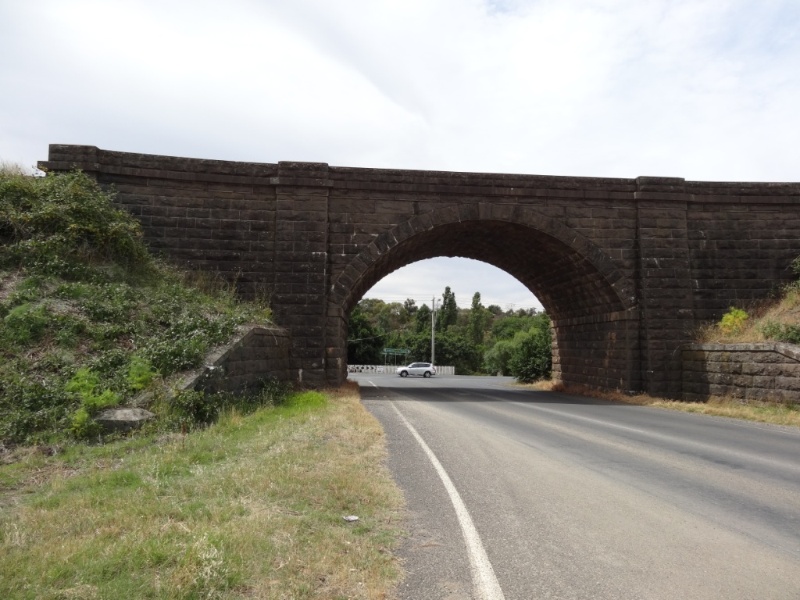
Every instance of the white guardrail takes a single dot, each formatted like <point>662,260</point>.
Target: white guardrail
<point>391,369</point>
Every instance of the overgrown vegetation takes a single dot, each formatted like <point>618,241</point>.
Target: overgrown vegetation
<point>251,507</point>
<point>89,319</point>
<point>778,320</point>
<point>478,340</point>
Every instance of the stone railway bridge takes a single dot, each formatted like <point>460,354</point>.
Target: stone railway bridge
<point>626,268</point>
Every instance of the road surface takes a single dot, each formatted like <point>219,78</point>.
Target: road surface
<point>521,494</point>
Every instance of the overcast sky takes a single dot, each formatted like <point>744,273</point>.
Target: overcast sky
<point>700,89</point>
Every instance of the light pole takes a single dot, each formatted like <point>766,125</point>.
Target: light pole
<point>433,333</point>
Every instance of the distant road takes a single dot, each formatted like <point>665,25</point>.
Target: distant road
<point>577,498</point>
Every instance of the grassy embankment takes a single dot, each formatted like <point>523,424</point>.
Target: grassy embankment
<point>251,507</point>
<point>222,496</point>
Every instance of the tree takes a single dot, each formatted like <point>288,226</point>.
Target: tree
<point>458,351</point>
<point>448,315</point>
<point>496,360</point>
<point>478,317</point>
<point>423,319</point>
<point>494,309</point>
<point>410,307</point>
<point>364,340</point>
<point>532,357</point>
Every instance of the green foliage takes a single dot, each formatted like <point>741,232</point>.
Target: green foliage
<point>523,347</point>
<point>733,321</point>
<point>497,359</point>
<point>532,358</point>
<point>84,384</point>
<point>781,332</point>
<point>474,340</point>
<point>82,425</point>
<point>192,408</point>
<point>448,314</point>
<point>795,266</point>
<point>364,340</point>
<point>478,318</point>
<point>140,373</point>
<point>422,319</point>
<point>89,319</point>
<point>453,348</point>
<point>62,224</point>
<point>24,323</point>
<point>32,405</point>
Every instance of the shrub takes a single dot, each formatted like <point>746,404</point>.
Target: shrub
<point>533,358</point>
<point>59,223</point>
<point>32,405</point>
<point>140,373</point>
<point>84,385</point>
<point>498,357</point>
<point>780,332</point>
<point>24,323</point>
<point>733,321</point>
<point>195,407</point>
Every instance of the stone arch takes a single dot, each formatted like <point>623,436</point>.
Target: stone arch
<point>591,303</point>
<point>478,228</point>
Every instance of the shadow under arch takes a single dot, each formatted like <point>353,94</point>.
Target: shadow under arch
<point>592,305</point>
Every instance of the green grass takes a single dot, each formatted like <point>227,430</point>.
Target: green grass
<point>249,507</point>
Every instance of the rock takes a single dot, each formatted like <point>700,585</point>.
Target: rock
<point>123,419</point>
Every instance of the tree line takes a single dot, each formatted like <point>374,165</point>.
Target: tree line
<point>475,340</point>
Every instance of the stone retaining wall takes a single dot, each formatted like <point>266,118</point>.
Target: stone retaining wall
<point>766,371</point>
<point>257,354</point>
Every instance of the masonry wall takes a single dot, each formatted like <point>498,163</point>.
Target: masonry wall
<point>256,355</point>
<point>742,238</point>
<point>763,371</point>
<point>626,268</point>
<point>211,215</point>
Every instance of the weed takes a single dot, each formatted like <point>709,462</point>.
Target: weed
<point>140,373</point>
<point>733,321</point>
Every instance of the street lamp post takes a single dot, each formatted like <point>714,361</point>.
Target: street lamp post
<point>433,333</point>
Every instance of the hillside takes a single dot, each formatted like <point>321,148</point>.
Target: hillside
<point>89,319</point>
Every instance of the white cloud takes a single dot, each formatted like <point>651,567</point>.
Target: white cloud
<point>701,89</point>
<point>426,279</point>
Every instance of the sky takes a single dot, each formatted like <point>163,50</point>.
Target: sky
<point>706,90</point>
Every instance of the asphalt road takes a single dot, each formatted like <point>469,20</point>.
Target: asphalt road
<point>523,495</point>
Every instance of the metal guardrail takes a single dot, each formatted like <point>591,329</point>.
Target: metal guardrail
<point>390,369</point>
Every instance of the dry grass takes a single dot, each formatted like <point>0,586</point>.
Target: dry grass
<point>251,507</point>
<point>786,311</point>
<point>763,412</point>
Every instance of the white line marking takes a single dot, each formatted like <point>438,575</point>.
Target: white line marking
<point>661,436</point>
<point>371,383</point>
<point>483,578</point>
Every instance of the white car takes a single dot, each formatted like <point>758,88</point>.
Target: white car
<point>423,369</point>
